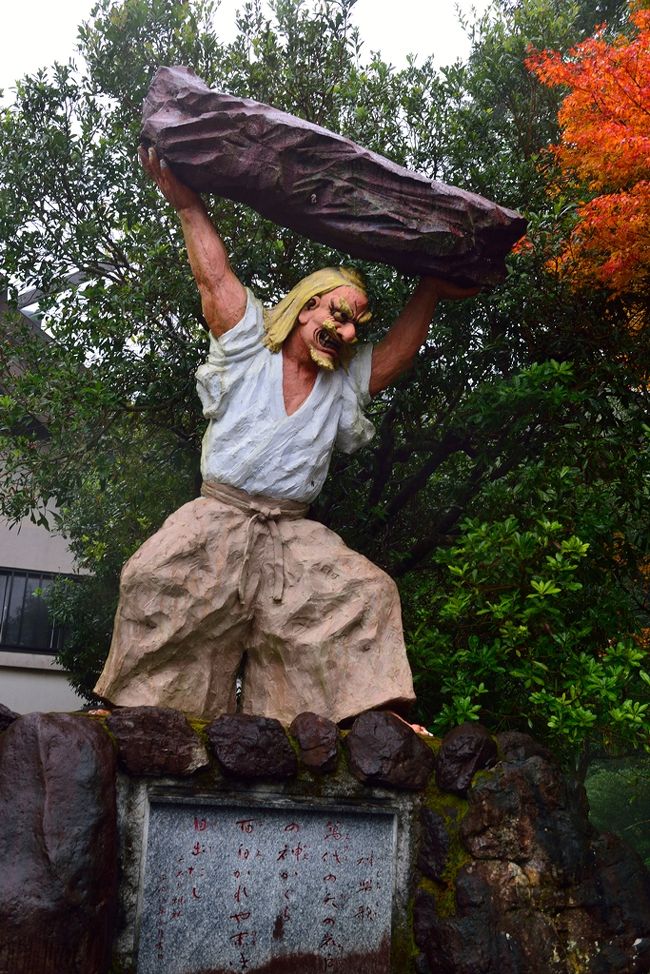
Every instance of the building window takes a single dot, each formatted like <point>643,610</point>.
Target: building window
<point>25,623</point>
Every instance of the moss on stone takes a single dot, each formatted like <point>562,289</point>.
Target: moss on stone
<point>295,746</point>
<point>578,959</point>
<point>103,722</point>
<point>446,897</point>
<point>403,949</point>
<point>429,886</point>
<point>199,727</point>
<point>433,743</point>
<point>206,779</point>
<point>452,809</point>
<point>117,967</point>
<point>484,775</point>
<point>312,782</point>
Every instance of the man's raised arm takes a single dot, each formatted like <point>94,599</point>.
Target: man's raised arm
<point>395,353</point>
<point>223,296</point>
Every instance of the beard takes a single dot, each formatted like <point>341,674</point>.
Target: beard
<point>322,360</point>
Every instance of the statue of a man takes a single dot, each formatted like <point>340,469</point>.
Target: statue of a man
<point>238,583</point>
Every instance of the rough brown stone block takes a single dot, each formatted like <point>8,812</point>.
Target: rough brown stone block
<point>156,741</point>
<point>464,751</point>
<point>58,846</point>
<point>317,738</point>
<point>385,751</point>
<point>323,185</point>
<point>515,746</point>
<point>247,746</point>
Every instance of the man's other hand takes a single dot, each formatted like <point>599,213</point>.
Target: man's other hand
<point>448,290</point>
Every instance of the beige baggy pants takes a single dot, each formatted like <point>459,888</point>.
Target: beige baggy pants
<point>328,640</point>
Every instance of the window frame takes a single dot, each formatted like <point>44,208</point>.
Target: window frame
<point>56,634</point>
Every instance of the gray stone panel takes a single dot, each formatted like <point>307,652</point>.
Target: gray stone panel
<point>252,888</point>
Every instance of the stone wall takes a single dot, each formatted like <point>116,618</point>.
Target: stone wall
<point>496,868</point>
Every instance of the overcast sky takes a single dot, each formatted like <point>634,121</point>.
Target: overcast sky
<point>34,33</point>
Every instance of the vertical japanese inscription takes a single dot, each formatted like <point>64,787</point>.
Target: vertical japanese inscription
<point>228,888</point>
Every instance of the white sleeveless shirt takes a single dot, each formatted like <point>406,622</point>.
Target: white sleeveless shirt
<point>250,441</point>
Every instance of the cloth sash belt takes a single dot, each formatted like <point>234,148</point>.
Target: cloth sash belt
<point>263,511</point>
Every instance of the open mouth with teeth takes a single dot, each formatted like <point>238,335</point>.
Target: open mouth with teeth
<point>327,341</point>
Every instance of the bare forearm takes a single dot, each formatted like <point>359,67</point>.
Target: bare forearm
<point>223,297</point>
<point>395,353</point>
<point>205,248</point>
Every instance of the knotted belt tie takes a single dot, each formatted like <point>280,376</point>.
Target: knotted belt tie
<point>265,511</point>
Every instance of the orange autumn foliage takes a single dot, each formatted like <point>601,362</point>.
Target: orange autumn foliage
<point>605,148</point>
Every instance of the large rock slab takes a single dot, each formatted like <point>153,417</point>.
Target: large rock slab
<point>323,185</point>
<point>507,922</point>
<point>528,813</point>
<point>541,894</point>
<point>156,741</point>
<point>253,747</point>
<point>383,750</point>
<point>57,846</point>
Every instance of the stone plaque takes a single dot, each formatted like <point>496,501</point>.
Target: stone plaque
<point>266,889</point>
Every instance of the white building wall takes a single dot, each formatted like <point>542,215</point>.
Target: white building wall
<point>30,682</point>
<point>31,547</point>
<point>34,681</point>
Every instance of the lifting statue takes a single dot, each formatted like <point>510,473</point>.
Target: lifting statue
<point>239,582</point>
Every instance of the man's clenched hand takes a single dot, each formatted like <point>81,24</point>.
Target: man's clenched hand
<point>180,196</point>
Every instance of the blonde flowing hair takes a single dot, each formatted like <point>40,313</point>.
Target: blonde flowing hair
<point>279,321</point>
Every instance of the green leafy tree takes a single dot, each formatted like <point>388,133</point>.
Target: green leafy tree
<point>514,643</point>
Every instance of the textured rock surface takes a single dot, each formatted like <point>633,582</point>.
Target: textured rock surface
<point>541,894</point>
<point>434,844</point>
<point>156,741</point>
<point>384,750</point>
<point>464,751</point>
<point>511,880</point>
<point>515,746</point>
<point>324,186</point>
<point>57,846</point>
<point>252,747</point>
<point>7,717</point>
<point>317,739</point>
<point>526,812</point>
